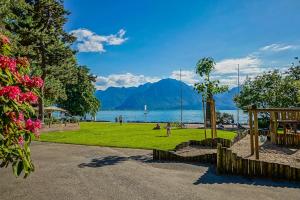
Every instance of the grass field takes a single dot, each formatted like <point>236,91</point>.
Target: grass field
<point>128,135</point>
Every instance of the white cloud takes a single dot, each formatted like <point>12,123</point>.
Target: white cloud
<point>123,80</point>
<point>88,41</point>
<point>187,76</point>
<point>247,65</point>
<point>226,70</point>
<point>278,47</point>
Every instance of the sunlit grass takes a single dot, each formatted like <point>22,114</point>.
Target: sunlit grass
<point>128,135</point>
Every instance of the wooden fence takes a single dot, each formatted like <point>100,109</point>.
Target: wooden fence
<point>288,139</point>
<point>205,158</point>
<point>230,163</point>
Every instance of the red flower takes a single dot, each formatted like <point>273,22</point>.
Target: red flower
<point>33,82</point>
<point>12,92</point>
<point>6,62</point>
<point>37,82</point>
<point>26,81</point>
<point>33,126</point>
<point>29,97</point>
<point>21,140</point>
<point>4,39</point>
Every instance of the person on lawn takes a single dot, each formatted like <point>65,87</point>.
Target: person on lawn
<point>168,129</point>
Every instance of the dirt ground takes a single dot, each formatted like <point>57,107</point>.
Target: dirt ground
<point>268,152</point>
<point>195,151</point>
<point>77,172</point>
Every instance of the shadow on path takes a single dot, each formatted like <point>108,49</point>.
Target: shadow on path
<point>113,160</point>
<point>210,177</point>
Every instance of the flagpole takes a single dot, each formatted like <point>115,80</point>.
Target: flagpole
<point>180,100</point>
<point>238,111</point>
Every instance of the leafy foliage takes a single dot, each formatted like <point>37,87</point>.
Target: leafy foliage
<point>224,118</point>
<point>17,92</point>
<point>80,95</point>
<point>206,86</point>
<point>271,89</point>
<point>38,26</point>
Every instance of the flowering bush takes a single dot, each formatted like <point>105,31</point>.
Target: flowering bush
<point>18,91</point>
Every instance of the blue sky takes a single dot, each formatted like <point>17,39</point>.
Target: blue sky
<point>127,43</point>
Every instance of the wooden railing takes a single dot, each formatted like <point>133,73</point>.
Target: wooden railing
<point>286,117</point>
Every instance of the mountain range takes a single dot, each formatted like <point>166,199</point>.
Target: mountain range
<point>161,95</point>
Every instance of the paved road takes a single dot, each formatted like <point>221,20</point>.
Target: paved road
<point>78,172</point>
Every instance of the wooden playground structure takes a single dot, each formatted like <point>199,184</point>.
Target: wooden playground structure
<point>287,118</point>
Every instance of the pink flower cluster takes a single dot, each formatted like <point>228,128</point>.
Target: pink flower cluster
<point>33,82</point>
<point>6,62</point>
<point>33,126</point>
<point>29,97</point>
<point>12,92</point>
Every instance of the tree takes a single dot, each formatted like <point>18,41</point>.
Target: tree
<point>18,91</point>
<point>206,86</point>
<point>271,89</point>
<point>224,118</point>
<point>80,95</point>
<point>39,27</point>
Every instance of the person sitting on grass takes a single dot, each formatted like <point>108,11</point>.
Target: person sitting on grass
<point>157,127</point>
<point>168,127</point>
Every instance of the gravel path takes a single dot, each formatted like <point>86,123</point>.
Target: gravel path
<point>78,172</point>
<point>268,152</point>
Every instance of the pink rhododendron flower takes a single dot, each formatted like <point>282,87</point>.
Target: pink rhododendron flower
<point>26,81</point>
<point>21,140</point>
<point>4,39</point>
<point>32,82</point>
<point>29,97</point>
<point>37,82</point>
<point>6,62</point>
<point>12,92</point>
<point>33,126</point>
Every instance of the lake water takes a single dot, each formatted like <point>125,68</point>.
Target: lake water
<point>189,116</point>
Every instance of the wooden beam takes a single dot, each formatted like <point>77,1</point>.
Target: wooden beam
<point>272,127</point>
<point>256,135</point>
<point>251,132</point>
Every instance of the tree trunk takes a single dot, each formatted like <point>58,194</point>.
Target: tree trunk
<point>208,112</point>
<point>41,105</point>
<point>204,116</point>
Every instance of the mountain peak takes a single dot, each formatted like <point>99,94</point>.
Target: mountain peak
<point>163,94</point>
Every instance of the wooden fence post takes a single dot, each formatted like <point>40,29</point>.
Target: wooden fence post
<point>251,132</point>
<point>256,135</point>
<point>219,159</point>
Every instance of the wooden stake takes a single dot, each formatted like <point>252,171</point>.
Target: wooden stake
<point>251,132</point>
<point>256,135</point>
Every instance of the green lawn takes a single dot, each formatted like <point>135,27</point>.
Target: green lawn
<point>128,135</point>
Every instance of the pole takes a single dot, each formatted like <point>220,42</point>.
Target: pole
<point>238,111</point>
<point>204,115</point>
<point>180,100</point>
